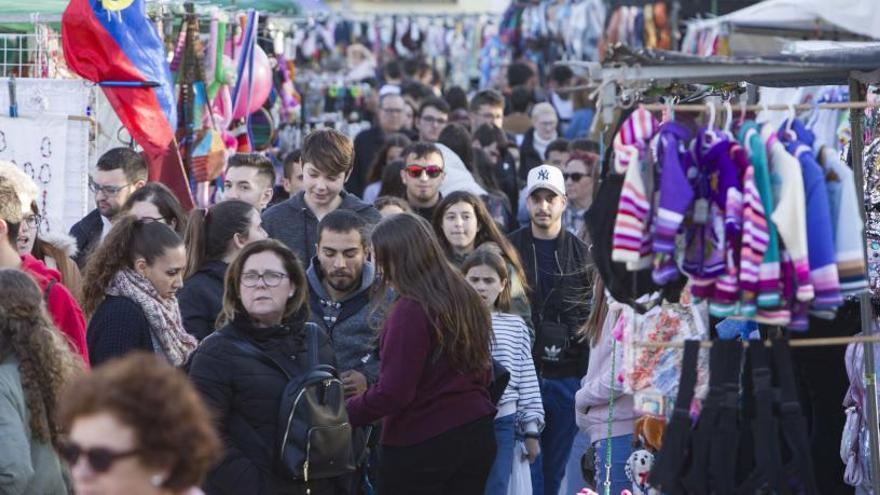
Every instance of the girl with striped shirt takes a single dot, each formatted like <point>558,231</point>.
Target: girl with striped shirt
<point>520,411</point>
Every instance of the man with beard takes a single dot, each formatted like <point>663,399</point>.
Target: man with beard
<point>120,172</point>
<point>340,278</point>
<point>555,263</point>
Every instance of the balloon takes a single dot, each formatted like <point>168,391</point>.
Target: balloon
<point>262,85</point>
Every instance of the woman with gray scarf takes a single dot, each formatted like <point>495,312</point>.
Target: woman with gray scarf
<point>129,293</point>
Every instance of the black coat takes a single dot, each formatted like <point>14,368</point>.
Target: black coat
<point>118,326</point>
<point>528,156</point>
<point>366,146</point>
<point>87,233</point>
<point>244,393</point>
<point>201,299</point>
<point>567,302</point>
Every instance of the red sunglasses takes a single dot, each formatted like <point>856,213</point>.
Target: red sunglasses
<point>416,171</point>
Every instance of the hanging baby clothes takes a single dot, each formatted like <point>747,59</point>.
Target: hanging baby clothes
<point>820,236</point>
<point>675,199</point>
<point>631,231</point>
<point>847,222</point>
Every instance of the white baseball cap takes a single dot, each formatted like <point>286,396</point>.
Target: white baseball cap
<point>545,177</point>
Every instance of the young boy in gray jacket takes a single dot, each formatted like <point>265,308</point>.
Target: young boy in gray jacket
<point>327,157</point>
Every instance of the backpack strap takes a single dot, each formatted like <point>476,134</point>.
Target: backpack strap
<point>312,344</point>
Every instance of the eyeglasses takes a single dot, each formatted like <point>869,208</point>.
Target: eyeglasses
<point>154,219</point>
<point>107,190</point>
<point>416,171</point>
<point>100,459</point>
<point>32,220</point>
<point>575,177</point>
<point>393,111</point>
<point>434,121</point>
<point>270,279</point>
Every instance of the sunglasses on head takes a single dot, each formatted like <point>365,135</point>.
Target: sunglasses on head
<point>416,171</point>
<point>100,459</point>
<point>575,177</point>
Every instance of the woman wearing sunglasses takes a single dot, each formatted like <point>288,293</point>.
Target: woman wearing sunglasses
<point>129,293</point>
<point>265,306</point>
<point>136,426</point>
<point>35,363</point>
<point>578,174</point>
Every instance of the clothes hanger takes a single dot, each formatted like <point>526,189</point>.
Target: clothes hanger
<point>728,118</point>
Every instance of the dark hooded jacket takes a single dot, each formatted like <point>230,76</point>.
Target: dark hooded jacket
<point>347,322</point>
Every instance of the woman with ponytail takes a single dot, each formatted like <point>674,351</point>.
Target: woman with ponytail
<point>213,238</point>
<point>131,282</point>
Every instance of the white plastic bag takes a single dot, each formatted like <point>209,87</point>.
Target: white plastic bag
<point>521,474</point>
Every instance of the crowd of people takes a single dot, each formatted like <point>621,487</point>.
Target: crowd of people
<point>437,266</point>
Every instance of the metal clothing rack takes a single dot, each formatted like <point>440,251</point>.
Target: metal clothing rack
<point>639,72</point>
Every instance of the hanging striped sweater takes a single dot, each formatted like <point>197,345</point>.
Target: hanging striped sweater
<point>512,348</point>
<point>676,196</point>
<point>631,242</point>
<point>789,214</point>
<point>768,276</point>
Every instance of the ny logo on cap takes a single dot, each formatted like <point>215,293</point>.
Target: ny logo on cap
<point>543,174</point>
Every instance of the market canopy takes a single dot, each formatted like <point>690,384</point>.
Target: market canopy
<point>768,27</point>
<point>860,17</point>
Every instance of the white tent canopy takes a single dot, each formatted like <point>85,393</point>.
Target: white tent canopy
<point>858,17</point>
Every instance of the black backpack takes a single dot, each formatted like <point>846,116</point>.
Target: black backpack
<point>315,437</point>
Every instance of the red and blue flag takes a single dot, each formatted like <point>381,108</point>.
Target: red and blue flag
<point>120,48</point>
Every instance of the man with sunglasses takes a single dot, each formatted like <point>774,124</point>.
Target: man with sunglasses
<point>120,172</point>
<point>422,177</point>
<point>577,173</point>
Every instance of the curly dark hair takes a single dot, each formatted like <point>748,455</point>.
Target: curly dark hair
<point>45,360</point>
<point>172,426</point>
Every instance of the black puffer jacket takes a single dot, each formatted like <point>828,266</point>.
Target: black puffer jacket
<point>245,394</point>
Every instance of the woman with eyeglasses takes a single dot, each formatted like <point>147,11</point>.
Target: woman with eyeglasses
<point>136,426</point>
<point>437,431</point>
<point>214,236</point>
<point>156,203</point>
<point>265,305</point>
<point>35,363</point>
<point>129,293</point>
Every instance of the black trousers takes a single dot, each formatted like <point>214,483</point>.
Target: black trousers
<point>822,380</point>
<point>455,462</point>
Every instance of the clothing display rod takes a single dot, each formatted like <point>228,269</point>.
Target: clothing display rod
<point>855,72</point>
<point>817,342</point>
<point>700,108</point>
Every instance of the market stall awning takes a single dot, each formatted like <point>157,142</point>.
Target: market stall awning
<point>820,67</point>
<point>860,17</point>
